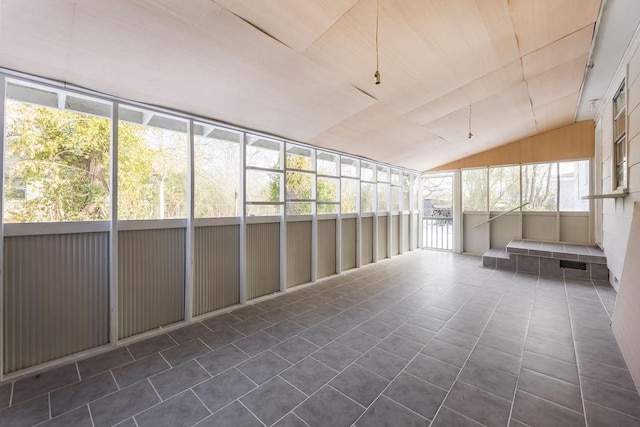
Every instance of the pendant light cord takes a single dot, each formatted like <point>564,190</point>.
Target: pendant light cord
<point>377,74</point>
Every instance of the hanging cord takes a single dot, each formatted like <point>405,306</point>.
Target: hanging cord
<point>470,134</point>
<point>377,74</point>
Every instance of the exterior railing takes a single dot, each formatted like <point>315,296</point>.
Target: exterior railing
<point>437,233</point>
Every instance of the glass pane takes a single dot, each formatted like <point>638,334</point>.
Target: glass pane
<point>57,165</point>
<point>299,186</point>
<point>152,167</point>
<point>299,157</point>
<point>349,167</point>
<point>299,208</point>
<point>574,183</point>
<point>540,187</point>
<point>263,153</point>
<point>416,192</point>
<point>383,174</point>
<point>263,186</point>
<point>504,188</point>
<point>327,163</point>
<point>349,194</point>
<point>474,190</point>
<point>216,172</point>
<point>619,102</point>
<point>367,196</point>
<point>396,198</point>
<point>263,210</point>
<point>395,177</point>
<point>438,196</point>
<point>405,192</point>
<point>328,189</point>
<point>383,197</point>
<point>367,172</point>
<point>327,209</point>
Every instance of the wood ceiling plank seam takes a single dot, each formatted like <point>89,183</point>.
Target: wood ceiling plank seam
<point>332,25</point>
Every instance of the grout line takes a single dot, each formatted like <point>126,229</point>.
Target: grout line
<point>78,371</point>
<point>198,397</point>
<point>114,379</point>
<point>154,389</point>
<point>13,386</point>
<point>91,415</point>
<point>49,402</point>
<point>285,380</point>
<point>464,416</point>
<point>251,412</point>
<point>611,409</point>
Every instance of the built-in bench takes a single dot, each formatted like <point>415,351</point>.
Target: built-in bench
<point>558,259</point>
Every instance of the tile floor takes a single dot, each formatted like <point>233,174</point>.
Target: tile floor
<point>428,338</point>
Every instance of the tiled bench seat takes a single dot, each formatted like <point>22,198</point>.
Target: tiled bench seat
<point>550,259</point>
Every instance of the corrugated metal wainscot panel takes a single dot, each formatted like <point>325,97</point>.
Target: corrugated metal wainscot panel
<point>216,275</point>
<point>263,259</point>
<point>416,230</point>
<point>348,248</point>
<point>395,234</point>
<point>326,247</point>
<point>298,253</point>
<point>56,296</point>
<point>382,237</point>
<point>405,233</point>
<point>151,268</point>
<point>366,240</point>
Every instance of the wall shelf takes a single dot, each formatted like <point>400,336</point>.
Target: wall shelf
<point>623,193</point>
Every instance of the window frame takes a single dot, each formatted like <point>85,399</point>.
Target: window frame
<point>618,165</point>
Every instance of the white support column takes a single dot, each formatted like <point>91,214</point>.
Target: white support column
<point>389,219</point>
<point>113,232</point>
<point>374,232</point>
<point>3,91</point>
<point>283,219</point>
<point>558,201</point>
<point>339,226</point>
<point>314,217</point>
<point>190,243</point>
<point>412,231</point>
<point>359,221</point>
<point>243,218</point>
<point>457,212</point>
<point>521,210</point>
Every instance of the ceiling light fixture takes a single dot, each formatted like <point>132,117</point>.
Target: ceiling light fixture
<point>470,134</point>
<point>377,73</point>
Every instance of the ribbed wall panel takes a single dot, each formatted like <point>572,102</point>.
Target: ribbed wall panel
<point>366,241</point>
<point>416,230</point>
<point>263,259</point>
<point>382,237</point>
<point>405,232</point>
<point>298,253</point>
<point>56,296</point>
<point>395,234</point>
<point>216,275</point>
<point>151,269</point>
<point>348,248</point>
<point>326,247</point>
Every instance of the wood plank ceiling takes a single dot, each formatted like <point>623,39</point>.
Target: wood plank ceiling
<point>303,69</point>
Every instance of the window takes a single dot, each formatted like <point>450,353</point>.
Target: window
<point>574,184</point>
<point>474,190</point>
<point>216,172</point>
<point>328,182</point>
<point>152,165</point>
<point>264,176</point>
<point>405,191</point>
<point>504,188</point>
<point>300,188</point>
<point>620,138</point>
<point>57,164</point>
<point>438,195</point>
<point>540,187</point>
<point>367,187</point>
<point>383,188</point>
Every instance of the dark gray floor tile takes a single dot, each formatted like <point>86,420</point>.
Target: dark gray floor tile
<point>537,412</point>
<point>393,319</point>
<point>611,375</point>
<point>178,379</point>
<point>320,335</point>
<point>123,404</point>
<point>358,341</point>
<point>467,326</point>
<point>256,343</point>
<point>358,314</point>
<point>297,307</point>
<point>336,356</point>
<point>223,389</point>
<point>294,349</point>
<point>415,333</point>
<point>553,367</point>
<point>400,346</point>
<point>427,322</point>
<point>182,410</point>
<point>489,379</point>
<point>329,408</point>
<point>151,345</point>
<point>502,343</point>
<point>382,363</point>
<point>436,372</point>
<point>78,394</point>
<point>26,414</point>
<point>621,400</point>
<point>448,418</point>
<point>250,325</point>
<point>185,352</point>
<point>415,394</point>
<point>446,352</point>
<point>386,413</point>
<point>458,338</point>
<point>284,330</point>
<point>272,400</point>
<point>263,367</point>
<point>195,330</point>
<point>222,359</point>
<point>508,329</point>
<point>549,388</point>
<point>290,420</point>
<point>220,322</point>
<point>377,329</point>
<point>359,384</point>
<point>599,416</point>
<point>234,415</point>
<point>559,336</point>
<point>326,311</point>
<point>341,324</point>
<point>275,316</point>
<point>601,351</point>
<point>309,375</point>
<point>104,362</point>
<point>31,387</point>
<point>221,338</point>
<point>247,312</point>
<point>5,395</point>
<point>478,405</point>
<point>307,319</point>
<point>551,349</point>
<point>437,312</point>
<point>139,370</point>
<point>130,422</point>
<point>76,418</point>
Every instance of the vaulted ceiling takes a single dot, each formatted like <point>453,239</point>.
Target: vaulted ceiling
<point>303,69</point>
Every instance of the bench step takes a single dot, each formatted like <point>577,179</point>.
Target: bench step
<point>562,251</point>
